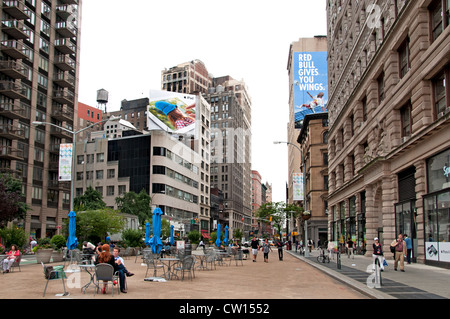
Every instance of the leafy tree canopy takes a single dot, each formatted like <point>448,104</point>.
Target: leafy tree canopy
<point>90,200</point>
<point>11,199</point>
<point>136,204</point>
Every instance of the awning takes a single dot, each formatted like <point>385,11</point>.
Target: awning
<point>205,234</point>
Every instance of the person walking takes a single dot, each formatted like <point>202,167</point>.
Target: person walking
<point>266,249</point>
<point>350,248</point>
<point>310,244</point>
<point>377,254</point>
<point>280,249</point>
<point>408,248</point>
<point>255,246</point>
<point>400,252</point>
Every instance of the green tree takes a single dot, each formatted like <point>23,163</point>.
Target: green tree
<point>11,199</point>
<point>194,236</point>
<point>13,236</point>
<point>90,200</point>
<point>136,204</point>
<point>98,224</point>
<point>272,212</point>
<point>133,237</point>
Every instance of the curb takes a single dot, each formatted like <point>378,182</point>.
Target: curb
<point>370,292</point>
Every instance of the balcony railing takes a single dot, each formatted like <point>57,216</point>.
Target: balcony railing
<point>64,79</point>
<point>15,9</point>
<point>65,46</point>
<point>63,97</point>
<point>15,110</point>
<point>64,62</point>
<point>12,90</point>
<point>11,132</point>
<point>66,29</point>
<point>14,28</point>
<point>62,112</point>
<point>13,69</point>
<point>8,152</point>
<point>15,49</point>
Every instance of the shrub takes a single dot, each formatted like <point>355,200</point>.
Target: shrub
<point>132,237</point>
<point>58,241</point>
<point>194,236</point>
<point>13,236</point>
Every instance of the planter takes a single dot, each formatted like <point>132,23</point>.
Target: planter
<point>306,217</point>
<point>44,255</point>
<point>57,256</point>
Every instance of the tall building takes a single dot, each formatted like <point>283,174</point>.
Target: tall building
<point>39,59</point>
<point>189,77</point>
<point>313,140</point>
<point>231,150</point>
<point>307,70</point>
<point>303,45</point>
<point>229,143</point>
<point>257,199</point>
<point>389,145</point>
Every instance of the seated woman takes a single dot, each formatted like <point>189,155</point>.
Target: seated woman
<point>105,257</point>
<point>10,258</point>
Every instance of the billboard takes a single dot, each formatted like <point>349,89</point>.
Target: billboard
<point>310,84</point>
<point>65,162</point>
<point>172,112</point>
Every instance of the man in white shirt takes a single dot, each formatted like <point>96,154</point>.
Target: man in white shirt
<point>120,266</point>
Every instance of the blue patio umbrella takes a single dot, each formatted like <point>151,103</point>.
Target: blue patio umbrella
<point>72,241</point>
<point>218,241</point>
<point>147,234</point>
<point>155,242</point>
<point>225,240</point>
<point>172,240</point>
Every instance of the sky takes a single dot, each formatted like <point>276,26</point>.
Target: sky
<point>126,45</point>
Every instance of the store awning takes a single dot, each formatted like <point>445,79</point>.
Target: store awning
<point>205,234</point>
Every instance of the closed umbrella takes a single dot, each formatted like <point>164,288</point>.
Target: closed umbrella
<point>72,241</point>
<point>225,240</point>
<point>147,234</point>
<point>172,240</point>
<point>218,241</point>
<point>155,242</point>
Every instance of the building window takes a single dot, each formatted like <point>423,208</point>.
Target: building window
<point>381,94</point>
<point>403,53</point>
<point>441,93</point>
<point>99,174</point>
<point>405,114</point>
<point>439,17</point>
<point>111,173</point>
<point>100,157</point>
<point>110,191</point>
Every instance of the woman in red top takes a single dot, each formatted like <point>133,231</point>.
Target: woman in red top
<point>11,258</point>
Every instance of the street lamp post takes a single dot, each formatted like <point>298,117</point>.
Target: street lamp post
<point>74,134</point>
<point>304,191</point>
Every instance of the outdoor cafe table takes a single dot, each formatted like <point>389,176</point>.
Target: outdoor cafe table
<point>168,263</point>
<point>202,256</point>
<point>91,274</point>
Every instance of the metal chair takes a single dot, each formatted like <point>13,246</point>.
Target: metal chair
<point>105,272</point>
<point>152,263</point>
<point>16,263</point>
<point>186,265</point>
<point>53,274</point>
<point>238,255</point>
<point>211,259</point>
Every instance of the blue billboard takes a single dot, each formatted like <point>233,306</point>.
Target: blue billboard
<point>310,84</point>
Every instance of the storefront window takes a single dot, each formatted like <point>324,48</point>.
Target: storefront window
<point>437,209</point>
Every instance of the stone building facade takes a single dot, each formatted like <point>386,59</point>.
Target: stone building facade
<point>389,123</point>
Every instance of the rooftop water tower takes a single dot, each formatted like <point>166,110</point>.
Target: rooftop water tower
<point>102,99</point>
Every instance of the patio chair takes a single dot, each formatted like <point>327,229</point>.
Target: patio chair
<point>211,259</point>
<point>152,263</point>
<point>238,256</point>
<point>186,265</point>
<point>105,273</point>
<point>50,273</point>
<point>146,253</point>
<point>16,263</point>
<point>138,253</point>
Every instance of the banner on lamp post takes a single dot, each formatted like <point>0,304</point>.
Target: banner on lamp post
<point>65,162</point>
<point>297,186</point>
